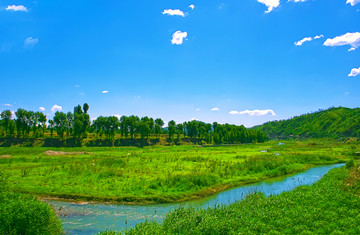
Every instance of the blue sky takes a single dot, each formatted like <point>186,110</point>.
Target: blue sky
<point>236,61</point>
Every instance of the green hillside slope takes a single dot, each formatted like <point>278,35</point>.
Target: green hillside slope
<point>333,122</point>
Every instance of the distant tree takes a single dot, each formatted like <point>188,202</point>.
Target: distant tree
<point>132,124</point>
<point>172,129</point>
<point>179,130</point>
<point>143,127</point>
<point>21,122</point>
<point>61,124</point>
<point>6,120</point>
<point>159,123</point>
<point>70,123</point>
<point>81,122</point>
<point>51,127</point>
<point>86,107</point>
<point>124,128</point>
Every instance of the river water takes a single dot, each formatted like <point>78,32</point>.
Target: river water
<point>93,218</point>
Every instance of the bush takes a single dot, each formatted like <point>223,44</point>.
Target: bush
<point>350,163</point>
<point>24,214</point>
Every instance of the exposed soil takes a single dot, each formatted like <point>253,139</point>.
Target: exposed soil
<point>5,156</point>
<point>59,153</point>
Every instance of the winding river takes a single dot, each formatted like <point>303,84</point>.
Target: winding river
<point>93,218</point>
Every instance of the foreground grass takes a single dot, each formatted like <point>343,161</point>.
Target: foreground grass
<point>330,206</point>
<point>159,174</point>
<point>24,214</point>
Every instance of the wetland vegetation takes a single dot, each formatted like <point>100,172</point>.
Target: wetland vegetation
<point>158,174</point>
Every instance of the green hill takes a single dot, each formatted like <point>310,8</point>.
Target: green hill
<point>333,122</point>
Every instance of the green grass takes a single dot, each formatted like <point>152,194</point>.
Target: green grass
<point>159,174</point>
<point>24,214</point>
<point>330,206</point>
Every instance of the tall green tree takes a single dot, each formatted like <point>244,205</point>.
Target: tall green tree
<point>6,120</point>
<point>61,124</point>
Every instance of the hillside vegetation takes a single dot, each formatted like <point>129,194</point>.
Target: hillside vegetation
<point>333,123</point>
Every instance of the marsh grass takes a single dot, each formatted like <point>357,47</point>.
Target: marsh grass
<point>159,174</point>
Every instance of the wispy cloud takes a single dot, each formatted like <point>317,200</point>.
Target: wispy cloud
<point>42,109</point>
<point>30,42</point>
<point>192,6</point>
<point>255,112</point>
<point>8,105</point>
<point>215,109</point>
<point>352,2</point>
<point>297,0</point>
<point>352,39</point>
<point>307,39</point>
<point>198,109</point>
<point>354,72</point>
<point>56,108</point>
<point>178,37</point>
<point>271,4</point>
<point>175,12</point>
<point>104,92</point>
<point>16,8</point>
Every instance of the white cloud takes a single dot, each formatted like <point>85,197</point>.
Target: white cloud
<point>352,49</point>
<point>307,39</point>
<point>354,72</point>
<point>352,39</point>
<point>297,0</point>
<point>175,12</point>
<point>42,109</point>
<point>178,37</point>
<point>13,114</point>
<point>346,93</point>
<point>197,109</point>
<point>192,6</point>
<point>319,36</point>
<point>215,109</point>
<point>8,105</point>
<point>194,119</point>
<point>30,42</point>
<point>271,4</point>
<point>104,92</point>
<point>353,2</point>
<point>16,8</point>
<point>56,108</point>
<point>254,112</point>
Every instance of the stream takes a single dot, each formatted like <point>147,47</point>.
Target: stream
<point>93,218</point>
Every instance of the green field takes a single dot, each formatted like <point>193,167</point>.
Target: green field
<point>159,174</point>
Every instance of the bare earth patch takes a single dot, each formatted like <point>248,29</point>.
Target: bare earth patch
<point>5,156</point>
<point>59,153</point>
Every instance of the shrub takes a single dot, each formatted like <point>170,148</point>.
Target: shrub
<point>24,214</point>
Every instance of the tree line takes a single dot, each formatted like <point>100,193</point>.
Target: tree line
<point>77,125</point>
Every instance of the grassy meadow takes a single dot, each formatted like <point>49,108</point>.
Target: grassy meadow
<point>158,174</point>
